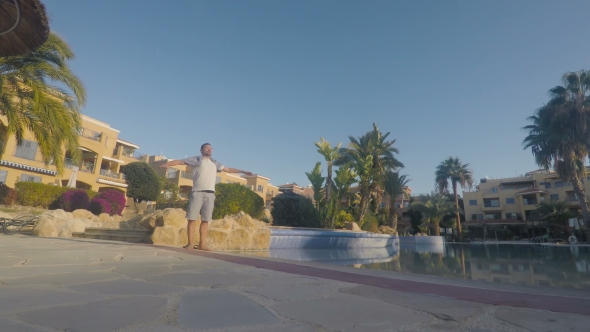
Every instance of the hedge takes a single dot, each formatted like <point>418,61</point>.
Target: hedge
<point>115,198</point>
<point>294,210</point>
<point>42,195</point>
<point>231,198</point>
<point>99,205</point>
<point>74,199</point>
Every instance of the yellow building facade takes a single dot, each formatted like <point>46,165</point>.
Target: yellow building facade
<point>103,156</point>
<point>516,198</point>
<point>182,176</point>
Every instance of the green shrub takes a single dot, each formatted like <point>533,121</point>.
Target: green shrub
<point>370,223</point>
<point>42,195</point>
<point>295,210</point>
<point>233,198</point>
<point>142,182</point>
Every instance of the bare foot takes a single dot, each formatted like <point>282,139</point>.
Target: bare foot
<point>204,248</point>
<point>189,247</point>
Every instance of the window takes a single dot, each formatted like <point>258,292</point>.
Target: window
<point>511,215</point>
<point>555,197</point>
<point>260,188</point>
<point>406,204</point>
<point>171,173</point>
<point>559,184</point>
<point>477,216</point>
<point>495,202</point>
<point>473,202</point>
<point>509,200</point>
<point>493,216</point>
<point>494,190</point>
<point>547,185</point>
<point>30,178</point>
<point>3,175</point>
<point>28,150</point>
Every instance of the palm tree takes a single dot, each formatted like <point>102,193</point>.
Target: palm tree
<point>345,177</point>
<point>30,102</point>
<point>559,136</point>
<point>330,154</point>
<point>434,207</point>
<point>459,174</point>
<point>317,180</point>
<point>394,187</point>
<point>371,155</point>
<point>555,212</point>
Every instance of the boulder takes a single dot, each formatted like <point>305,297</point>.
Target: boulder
<point>105,217</point>
<point>148,221</point>
<point>387,230</point>
<point>84,214</point>
<point>59,214</point>
<point>5,215</point>
<point>117,218</point>
<point>46,226</point>
<point>352,226</point>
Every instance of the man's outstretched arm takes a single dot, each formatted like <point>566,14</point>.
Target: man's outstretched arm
<point>234,170</point>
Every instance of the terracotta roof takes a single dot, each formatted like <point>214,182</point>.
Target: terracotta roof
<point>531,191</point>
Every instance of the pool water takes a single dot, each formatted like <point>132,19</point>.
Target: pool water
<point>521,264</point>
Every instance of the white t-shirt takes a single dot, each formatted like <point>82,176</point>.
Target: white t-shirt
<point>204,172</point>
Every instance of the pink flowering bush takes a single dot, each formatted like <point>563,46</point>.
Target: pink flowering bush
<point>99,205</point>
<point>74,199</point>
<point>115,198</point>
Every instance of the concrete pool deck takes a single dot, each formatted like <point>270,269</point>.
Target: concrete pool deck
<point>49,284</point>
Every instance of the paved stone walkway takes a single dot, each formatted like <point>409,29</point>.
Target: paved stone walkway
<point>51,284</point>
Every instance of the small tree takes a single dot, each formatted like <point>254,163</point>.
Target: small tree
<point>169,191</point>
<point>294,210</point>
<point>142,182</point>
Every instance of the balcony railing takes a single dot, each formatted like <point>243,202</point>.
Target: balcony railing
<point>186,175</point>
<point>530,201</point>
<point>128,152</point>
<point>491,204</point>
<point>107,173</point>
<point>91,134</point>
<point>171,174</point>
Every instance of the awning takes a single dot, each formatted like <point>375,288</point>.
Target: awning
<point>112,183</point>
<point>84,149</point>
<point>129,144</point>
<point>27,167</point>
<point>113,159</point>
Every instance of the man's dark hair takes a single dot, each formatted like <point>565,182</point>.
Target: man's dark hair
<point>202,146</point>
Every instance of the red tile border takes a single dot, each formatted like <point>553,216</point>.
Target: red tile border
<point>564,304</point>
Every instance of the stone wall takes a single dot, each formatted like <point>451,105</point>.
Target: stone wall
<point>235,232</point>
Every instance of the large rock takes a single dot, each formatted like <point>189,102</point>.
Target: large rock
<point>236,232</point>
<point>105,217</point>
<point>59,214</point>
<point>46,226</point>
<point>387,230</point>
<point>84,214</point>
<point>352,226</point>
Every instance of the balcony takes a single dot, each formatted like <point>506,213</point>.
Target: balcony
<point>90,134</point>
<point>492,205</point>
<point>186,175</point>
<point>82,167</point>
<point>107,173</point>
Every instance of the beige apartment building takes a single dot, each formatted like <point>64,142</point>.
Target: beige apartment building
<point>103,156</point>
<point>513,200</point>
<point>182,177</point>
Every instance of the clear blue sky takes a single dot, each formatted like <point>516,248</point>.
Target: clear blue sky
<point>263,80</point>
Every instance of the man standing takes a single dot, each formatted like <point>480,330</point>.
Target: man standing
<point>202,196</point>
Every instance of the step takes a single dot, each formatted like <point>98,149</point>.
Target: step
<point>114,234</point>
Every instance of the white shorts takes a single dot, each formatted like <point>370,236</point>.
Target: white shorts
<point>200,203</point>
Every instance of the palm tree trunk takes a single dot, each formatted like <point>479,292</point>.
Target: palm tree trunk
<point>459,233</point>
<point>329,182</point>
<point>437,228</point>
<point>393,215</point>
<point>363,206</point>
<point>581,192</point>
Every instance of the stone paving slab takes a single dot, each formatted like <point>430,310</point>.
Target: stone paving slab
<point>205,278</point>
<point>11,326</point>
<point>61,279</point>
<point>106,315</point>
<point>219,309</point>
<point>291,293</point>
<point>350,314</point>
<point>15,298</point>
<point>543,321</point>
<point>127,287</point>
<point>440,307</point>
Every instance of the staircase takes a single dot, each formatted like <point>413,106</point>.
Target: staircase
<point>114,234</point>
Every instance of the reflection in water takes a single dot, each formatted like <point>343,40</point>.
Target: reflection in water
<point>501,263</point>
<point>564,266</point>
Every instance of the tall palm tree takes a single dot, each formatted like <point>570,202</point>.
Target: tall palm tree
<point>371,155</point>
<point>330,154</point>
<point>394,186</point>
<point>344,178</point>
<point>559,136</point>
<point>317,180</point>
<point>29,101</point>
<point>459,174</point>
<point>434,207</point>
